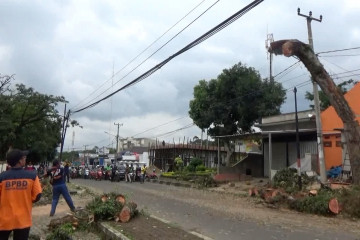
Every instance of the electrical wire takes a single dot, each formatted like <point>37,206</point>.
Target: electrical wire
<point>339,50</point>
<point>159,126</point>
<point>162,46</point>
<point>197,41</point>
<point>174,131</point>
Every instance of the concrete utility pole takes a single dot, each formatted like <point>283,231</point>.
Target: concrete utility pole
<point>85,155</point>
<point>268,41</point>
<point>316,102</point>
<point>117,136</point>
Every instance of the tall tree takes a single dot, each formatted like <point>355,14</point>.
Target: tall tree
<point>233,102</point>
<point>324,100</point>
<point>29,120</point>
<point>318,73</point>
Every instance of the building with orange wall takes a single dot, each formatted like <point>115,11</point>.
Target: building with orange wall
<point>331,123</point>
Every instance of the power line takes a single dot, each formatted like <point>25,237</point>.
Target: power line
<point>159,126</point>
<point>174,131</point>
<point>343,55</point>
<point>162,46</point>
<point>339,50</point>
<point>290,68</point>
<point>200,39</point>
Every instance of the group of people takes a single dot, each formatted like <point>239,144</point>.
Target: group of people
<point>132,173</point>
<point>19,188</point>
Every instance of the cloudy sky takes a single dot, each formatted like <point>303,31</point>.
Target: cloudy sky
<point>84,50</point>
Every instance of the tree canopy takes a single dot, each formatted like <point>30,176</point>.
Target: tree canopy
<point>324,100</point>
<point>233,102</point>
<point>29,120</point>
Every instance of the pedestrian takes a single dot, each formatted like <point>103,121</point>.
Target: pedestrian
<point>56,173</point>
<point>113,172</point>
<point>138,172</point>
<point>132,175</point>
<point>19,189</point>
<point>67,171</point>
<point>143,173</point>
<point>127,172</point>
<point>30,167</point>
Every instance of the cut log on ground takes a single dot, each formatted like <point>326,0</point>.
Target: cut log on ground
<point>104,198</point>
<point>313,192</point>
<point>127,212</point>
<point>253,192</point>
<point>334,206</point>
<point>54,223</point>
<point>121,199</point>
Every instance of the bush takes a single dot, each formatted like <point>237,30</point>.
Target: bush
<point>318,204</point>
<point>350,201</point>
<point>200,168</point>
<point>287,179</point>
<point>193,164</point>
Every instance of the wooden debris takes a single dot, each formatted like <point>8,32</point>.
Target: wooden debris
<point>121,199</point>
<point>253,192</point>
<point>334,206</point>
<point>104,198</point>
<point>127,212</point>
<point>313,192</point>
<point>54,223</point>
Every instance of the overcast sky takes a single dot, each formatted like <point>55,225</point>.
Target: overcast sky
<point>84,50</point>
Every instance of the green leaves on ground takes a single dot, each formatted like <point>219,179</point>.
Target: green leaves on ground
<point>104,209</point>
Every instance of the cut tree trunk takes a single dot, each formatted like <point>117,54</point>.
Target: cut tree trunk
<point>320,76</point>
<point>334,206</point>
<point>121,199</point>
<point>127,212</point>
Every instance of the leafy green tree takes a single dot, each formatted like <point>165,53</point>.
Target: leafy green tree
<point>324,100</point>
<point>29,120</point>
<point>233,102</point>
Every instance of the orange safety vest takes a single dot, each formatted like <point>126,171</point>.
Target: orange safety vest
<point>18,190</point>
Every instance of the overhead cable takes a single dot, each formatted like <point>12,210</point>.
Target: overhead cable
<point>133,59</point>
<point>202,38</point>
<point>339,50</point>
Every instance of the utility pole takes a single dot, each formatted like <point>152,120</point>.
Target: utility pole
<point>298,160</point>
<point>117,137</point>
<point>268,41</point>
<point>309,18</point>
<point>85,155</point>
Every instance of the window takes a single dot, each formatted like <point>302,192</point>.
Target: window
<point>338,144</point>
<point>327,144</point>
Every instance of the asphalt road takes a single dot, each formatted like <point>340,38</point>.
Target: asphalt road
<point>188,209</point>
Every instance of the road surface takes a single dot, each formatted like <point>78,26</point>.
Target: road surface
<point>224,216</point>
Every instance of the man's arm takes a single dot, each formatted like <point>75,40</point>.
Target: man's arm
<point>36,190</point>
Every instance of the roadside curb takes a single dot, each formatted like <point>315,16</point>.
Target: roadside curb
<point>190,232</point>
<point>171,182</point>
<point>111,232</point>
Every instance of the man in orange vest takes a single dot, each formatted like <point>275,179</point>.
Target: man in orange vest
<point>19,189</point>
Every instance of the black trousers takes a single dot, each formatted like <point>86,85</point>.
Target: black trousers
<point>19,234</point>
